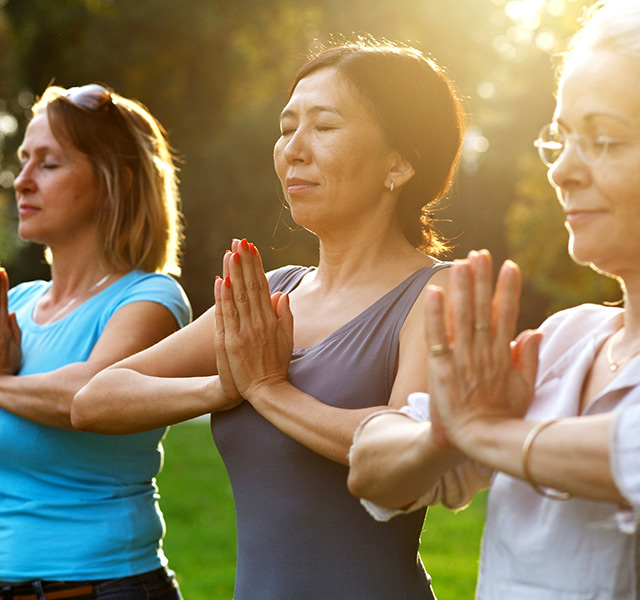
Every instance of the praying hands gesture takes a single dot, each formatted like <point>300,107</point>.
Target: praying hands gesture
<point>476,373</point>
<point>254,330</point>
<point>10,335</point>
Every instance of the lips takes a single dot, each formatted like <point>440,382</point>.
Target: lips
<point>296,185</point>
<point>575,215</point>
<point>25,209</point>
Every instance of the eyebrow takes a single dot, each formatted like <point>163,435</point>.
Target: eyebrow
<point>591,117</point>
<point>319,108</point>
<point>38,150</point>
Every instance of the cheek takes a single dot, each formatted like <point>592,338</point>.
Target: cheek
<point>621,189</point>
<point>279,162</point>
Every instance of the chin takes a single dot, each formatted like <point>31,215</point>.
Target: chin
<point>586,253</point>
<point>27,235</point>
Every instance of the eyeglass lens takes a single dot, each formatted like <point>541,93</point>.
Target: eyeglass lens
<point>552,141</point>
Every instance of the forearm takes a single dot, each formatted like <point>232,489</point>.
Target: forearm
<point>394,461</point>
<point>572,455</point>
<point>325,429</point>
<point>45,398</point>
<point>120,401</point>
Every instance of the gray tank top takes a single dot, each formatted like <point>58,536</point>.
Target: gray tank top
<point>300,534</point>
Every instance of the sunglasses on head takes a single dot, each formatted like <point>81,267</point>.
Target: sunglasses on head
<point>91,96</point>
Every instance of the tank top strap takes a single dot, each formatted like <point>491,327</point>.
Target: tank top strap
<point>401,299</point>
<point>286,279</point>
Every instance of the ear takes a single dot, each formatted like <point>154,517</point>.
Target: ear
<point>400,171</point>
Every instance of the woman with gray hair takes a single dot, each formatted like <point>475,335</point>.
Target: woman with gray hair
<point>559,428</point>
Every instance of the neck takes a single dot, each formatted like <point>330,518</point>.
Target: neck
<point>75,272</point>
<point>631,309</point>
<point>359,258</point>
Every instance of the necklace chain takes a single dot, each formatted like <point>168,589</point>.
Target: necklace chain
<point>614,365</point>
<point>73,300</point>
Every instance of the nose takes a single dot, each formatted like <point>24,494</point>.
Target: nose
<point>24,180</point>
<point>569,170</point>
<point>296,148</point>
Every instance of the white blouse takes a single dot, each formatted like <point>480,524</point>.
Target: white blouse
<point>535,548</point>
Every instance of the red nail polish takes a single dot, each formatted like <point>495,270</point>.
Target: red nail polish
<point>217,277</point>
<point>253,249</point>
<point>236,257</point>
<point>244,244</point>
<point>227,251</point>
<point>227,282</point>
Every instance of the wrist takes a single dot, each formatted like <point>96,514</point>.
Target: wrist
<point>478,434</point>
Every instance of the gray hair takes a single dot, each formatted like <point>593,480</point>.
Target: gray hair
<point>608,24</point>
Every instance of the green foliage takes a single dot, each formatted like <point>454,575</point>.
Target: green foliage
<point>200,543</point>
<point>215,74</point>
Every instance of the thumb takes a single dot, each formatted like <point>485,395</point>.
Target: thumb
<point>284,314</point>
<point>15,328</point>
<point>526,349</point>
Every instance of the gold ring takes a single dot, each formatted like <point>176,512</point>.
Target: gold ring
<point>439,349</point>
<point>482,326</point>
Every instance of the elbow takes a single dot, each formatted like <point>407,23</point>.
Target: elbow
<point>359,481</point>
<point>83,416</point>
<point>355,485</point>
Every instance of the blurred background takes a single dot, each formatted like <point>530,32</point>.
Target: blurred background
<point>215,73</point>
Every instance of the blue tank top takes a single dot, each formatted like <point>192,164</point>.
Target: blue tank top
<point>301,534</point>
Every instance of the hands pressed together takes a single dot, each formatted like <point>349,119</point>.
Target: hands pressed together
<point>254,329</point>
<point>477,374</point>
<point>10,335</point>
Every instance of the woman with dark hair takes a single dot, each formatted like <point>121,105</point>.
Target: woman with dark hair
<point>79,516</point>
<point>370,138</point>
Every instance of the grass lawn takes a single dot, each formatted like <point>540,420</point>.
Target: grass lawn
<point>200,541</point>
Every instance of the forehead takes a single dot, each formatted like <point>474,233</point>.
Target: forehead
<point>600,82</point>
<point>39,134</point>
<point>325,88</point>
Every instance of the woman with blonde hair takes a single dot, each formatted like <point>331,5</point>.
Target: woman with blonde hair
<point>79,516</point>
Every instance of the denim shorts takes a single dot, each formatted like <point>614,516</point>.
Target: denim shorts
<point>154,585</point>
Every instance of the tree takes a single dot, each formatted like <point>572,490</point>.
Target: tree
<point>215,74</point>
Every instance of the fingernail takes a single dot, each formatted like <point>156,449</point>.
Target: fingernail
<point>227,251</point>
<point>244,244</point>
<point>236,258</point>
<point>253,249</point>
<point>227,282</point>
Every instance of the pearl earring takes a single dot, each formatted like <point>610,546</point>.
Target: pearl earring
<point>392,186</point>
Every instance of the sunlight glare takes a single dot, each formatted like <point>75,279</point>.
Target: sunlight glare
<point>525,13</point>
<point>546,41</point>
<point>486,90</point>
<point>8,124</point>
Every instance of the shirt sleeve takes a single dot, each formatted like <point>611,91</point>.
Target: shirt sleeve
<point>159,288</point>
<point>455,489</point>
<point>625,464</point>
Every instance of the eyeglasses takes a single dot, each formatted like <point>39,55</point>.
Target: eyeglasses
<point>91,96</point>
<point>553,140</point>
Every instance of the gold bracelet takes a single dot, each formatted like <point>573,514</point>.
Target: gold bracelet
<point>526,450</point>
